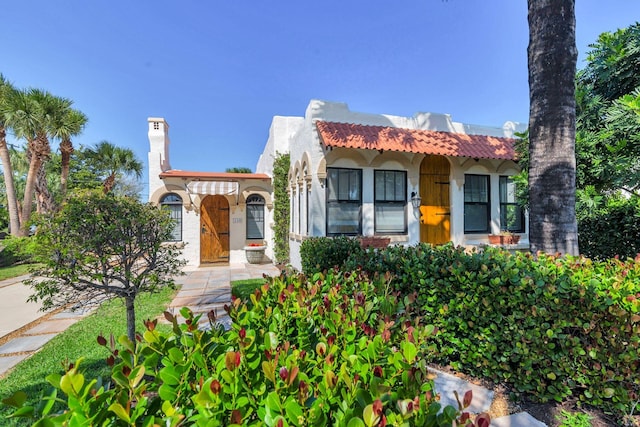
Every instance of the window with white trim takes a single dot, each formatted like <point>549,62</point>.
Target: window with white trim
<point>255,217</point>
<point>511,214</point>
<point>477,209</point>
<point>390,189</point>
<point>173,203</point>
<point>344,201</point>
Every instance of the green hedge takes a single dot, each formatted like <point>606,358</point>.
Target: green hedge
<point>324,253</point>
<point>611,231</point>
<point>552,327</point>
<point>16,250</point>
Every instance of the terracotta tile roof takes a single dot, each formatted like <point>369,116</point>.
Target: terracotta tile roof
<point>212,176</point>
<point>349,135</point>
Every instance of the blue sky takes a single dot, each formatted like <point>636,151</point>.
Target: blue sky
<point>218,71</point>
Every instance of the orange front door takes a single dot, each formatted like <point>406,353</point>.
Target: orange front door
<point>435,212</point>
<point>214,229</point>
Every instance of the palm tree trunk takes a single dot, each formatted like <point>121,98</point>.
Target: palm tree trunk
<point>66,149</point>
<point>109,183</point>
<point>552,57</point>
<point>7,170</point>
<point>39,148</point>
<point>44,199</point>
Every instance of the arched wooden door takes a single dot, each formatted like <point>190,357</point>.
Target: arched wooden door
<point>214,230</point>
<point>435,212</point>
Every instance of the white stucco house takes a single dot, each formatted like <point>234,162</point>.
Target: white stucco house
<point>413,179</point>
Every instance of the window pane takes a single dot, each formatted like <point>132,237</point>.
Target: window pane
<point>343,218</point>
<point>255,221</point>
<point>344,199</point>
<point>400,192</point>
<point>507,190</point>
<point>173,203</point>
<point>511,218</point>
<point>475,218</point>
<point>390,186</point>
<point>343,184</point>
<point>379,185</point>
<point>332,178</point>
<point>390,218</point>
<point>354,185</point>
<point>476,188</point>
<point>176,215</point>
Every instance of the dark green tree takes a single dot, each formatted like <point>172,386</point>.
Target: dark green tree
<point>239,169</point>
<point>114,161</point>
<point>607,145</point>
<point>608,126</point>
<point>103,246</point>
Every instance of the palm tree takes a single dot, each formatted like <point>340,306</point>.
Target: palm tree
<point>60,121</point>
<point>6,92</point>
<point>26,116</point>
<point>115,160</point>
<point>70,124</point>
<point>552,57</point>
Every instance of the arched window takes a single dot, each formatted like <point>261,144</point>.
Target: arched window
<point>255,217</point>
<point>173,203</point>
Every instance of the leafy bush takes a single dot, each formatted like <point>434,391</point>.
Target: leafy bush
<point>552,327</point>
<point>17,250</point>
<point>324,253</point>
<point>335,350</point>
<point>99,246</point>
<point>281,213</point>
<point>613,230</point>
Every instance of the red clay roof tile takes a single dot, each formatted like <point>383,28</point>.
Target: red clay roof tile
<point>349,135</point>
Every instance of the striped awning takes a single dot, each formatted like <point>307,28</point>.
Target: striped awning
<point>223,188</point>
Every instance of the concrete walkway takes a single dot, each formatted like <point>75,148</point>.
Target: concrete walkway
<point>202,290</point>
<point>15,311</point>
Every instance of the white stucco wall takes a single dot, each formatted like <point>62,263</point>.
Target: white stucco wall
<point>304,147</point>
<point>158,156</point>
<point>159,162</point>
<point>309,160</point>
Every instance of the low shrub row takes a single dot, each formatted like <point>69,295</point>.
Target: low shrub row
<point>612,229</point>
<point>16,250</point>
<point>552,327</point>
<point>332,350</point>
<point>324,253</point>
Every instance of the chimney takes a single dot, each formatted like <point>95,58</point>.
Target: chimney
<point>158,151</point>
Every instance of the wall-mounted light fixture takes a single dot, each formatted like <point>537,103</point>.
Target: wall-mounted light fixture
<point>415,200</point>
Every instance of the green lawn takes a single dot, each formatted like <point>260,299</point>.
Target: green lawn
<point>79,340</point>
<point>244,288</point>
<point>14,271</point>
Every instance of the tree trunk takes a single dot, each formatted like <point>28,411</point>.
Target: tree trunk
<point>131,318</point>
<point>40,149</point>
<point>66,149</point>
<point>12,200</point>
<point>44,199</point>
<point>109,183</point>
<point>552,57</point>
